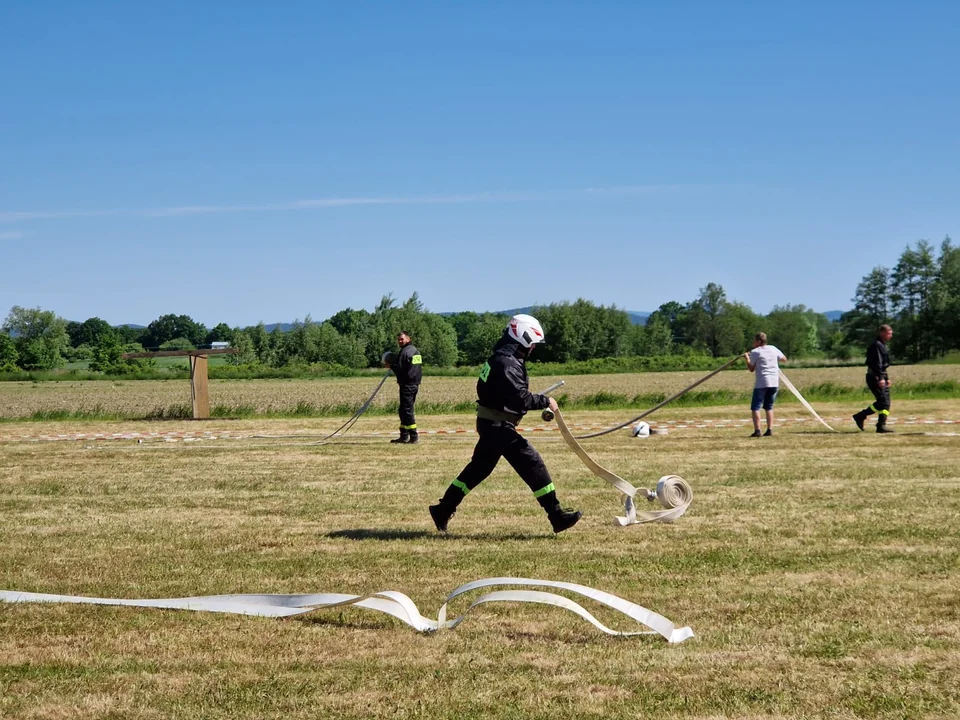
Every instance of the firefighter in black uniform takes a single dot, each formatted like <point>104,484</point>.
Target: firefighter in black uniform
<point>878,360</point>
<point>407,366</point>
<point>503,398</point>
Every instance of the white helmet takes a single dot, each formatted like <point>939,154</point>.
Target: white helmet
<point>525,329</point>
<point>641,430</point>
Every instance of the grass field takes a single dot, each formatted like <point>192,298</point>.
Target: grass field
<point>306,397</point>
<point>819,572</point>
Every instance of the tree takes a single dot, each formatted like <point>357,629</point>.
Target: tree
<point>246,354</point>
<point>437,340</point>
<point>170,327</point>
<point>871,308</point>
<point>260,341</point>
<point>675,315</point>
<point>715,324</point>
<point>793,329</point>
<point>872,299</point>
<point>220,333</point>
<point>431,333</point>
<point>79,354</point>
<point>945,300</point>
<point>742,323</point>
<point>108,357</point>
<point>179,343</point>
<point>8,353</point>
<point>351,322</point>
<point>128,334</point>
<point>912,284</point>
<point>106,354</point>
<point>582,330</point>
<point>654,338</point>
<point>480,338</point>
<point>40,337</point>
<point>89,331</point>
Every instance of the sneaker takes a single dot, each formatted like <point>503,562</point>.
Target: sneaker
<point>564,519</point>
<point>441,516</point>
<point>858,419</point>
<point>768,433</point>
<point>756,433</point>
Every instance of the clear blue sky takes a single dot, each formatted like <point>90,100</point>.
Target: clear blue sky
<point>260,161</point>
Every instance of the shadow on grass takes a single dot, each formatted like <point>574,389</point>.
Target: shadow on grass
<point>390,534</point>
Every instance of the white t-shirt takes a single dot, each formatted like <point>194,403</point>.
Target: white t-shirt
<point>766,359</point>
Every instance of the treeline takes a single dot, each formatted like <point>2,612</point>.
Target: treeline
<point>920,296</point>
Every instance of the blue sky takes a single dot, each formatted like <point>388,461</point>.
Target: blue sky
<point>251,161</point>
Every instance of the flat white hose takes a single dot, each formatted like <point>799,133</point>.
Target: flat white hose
<point>803,401</point>
<point>396,604</point>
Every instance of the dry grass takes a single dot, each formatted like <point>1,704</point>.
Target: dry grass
<point>818,574</point>
<point>263,396</point>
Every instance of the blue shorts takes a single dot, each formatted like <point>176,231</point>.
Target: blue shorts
<point>764,397</point>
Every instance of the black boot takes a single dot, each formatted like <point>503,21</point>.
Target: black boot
<point>882,425</point>
<point>559,518</point>
<point>447,507</point>
<point>404,437</point>
<point>414,438</point>
<point>441,515</point>
<point>564,519</point>
<point>859,419</point>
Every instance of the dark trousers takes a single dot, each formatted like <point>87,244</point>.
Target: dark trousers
<point>408,398</point>
<point>882,395</point>
<point>501,440</point>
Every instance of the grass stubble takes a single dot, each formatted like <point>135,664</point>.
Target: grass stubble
<point>820,573</point>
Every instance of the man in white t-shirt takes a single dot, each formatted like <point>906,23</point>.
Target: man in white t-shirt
<point>765,361</point>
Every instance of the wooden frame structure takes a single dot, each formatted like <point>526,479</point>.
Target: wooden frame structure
<point>199,383</point>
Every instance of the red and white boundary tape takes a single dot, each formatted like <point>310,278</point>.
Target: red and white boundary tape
<point>194,435</point>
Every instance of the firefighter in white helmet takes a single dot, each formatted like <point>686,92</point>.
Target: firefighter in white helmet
<point>503,398</point>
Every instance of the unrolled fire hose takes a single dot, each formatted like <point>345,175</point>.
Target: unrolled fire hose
<point>343,429</point>
<point>669,400</point>
<point>673,492</point>
<point>395,604</point>
<point>681,393</point>
<point>803,401</point>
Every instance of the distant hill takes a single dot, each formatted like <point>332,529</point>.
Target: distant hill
<point>284,327</point>
<point>637,317</point>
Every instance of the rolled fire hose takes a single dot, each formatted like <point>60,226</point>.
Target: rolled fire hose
<point>395,604</point>
<point>673,492</point>
<point>669,400</point>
